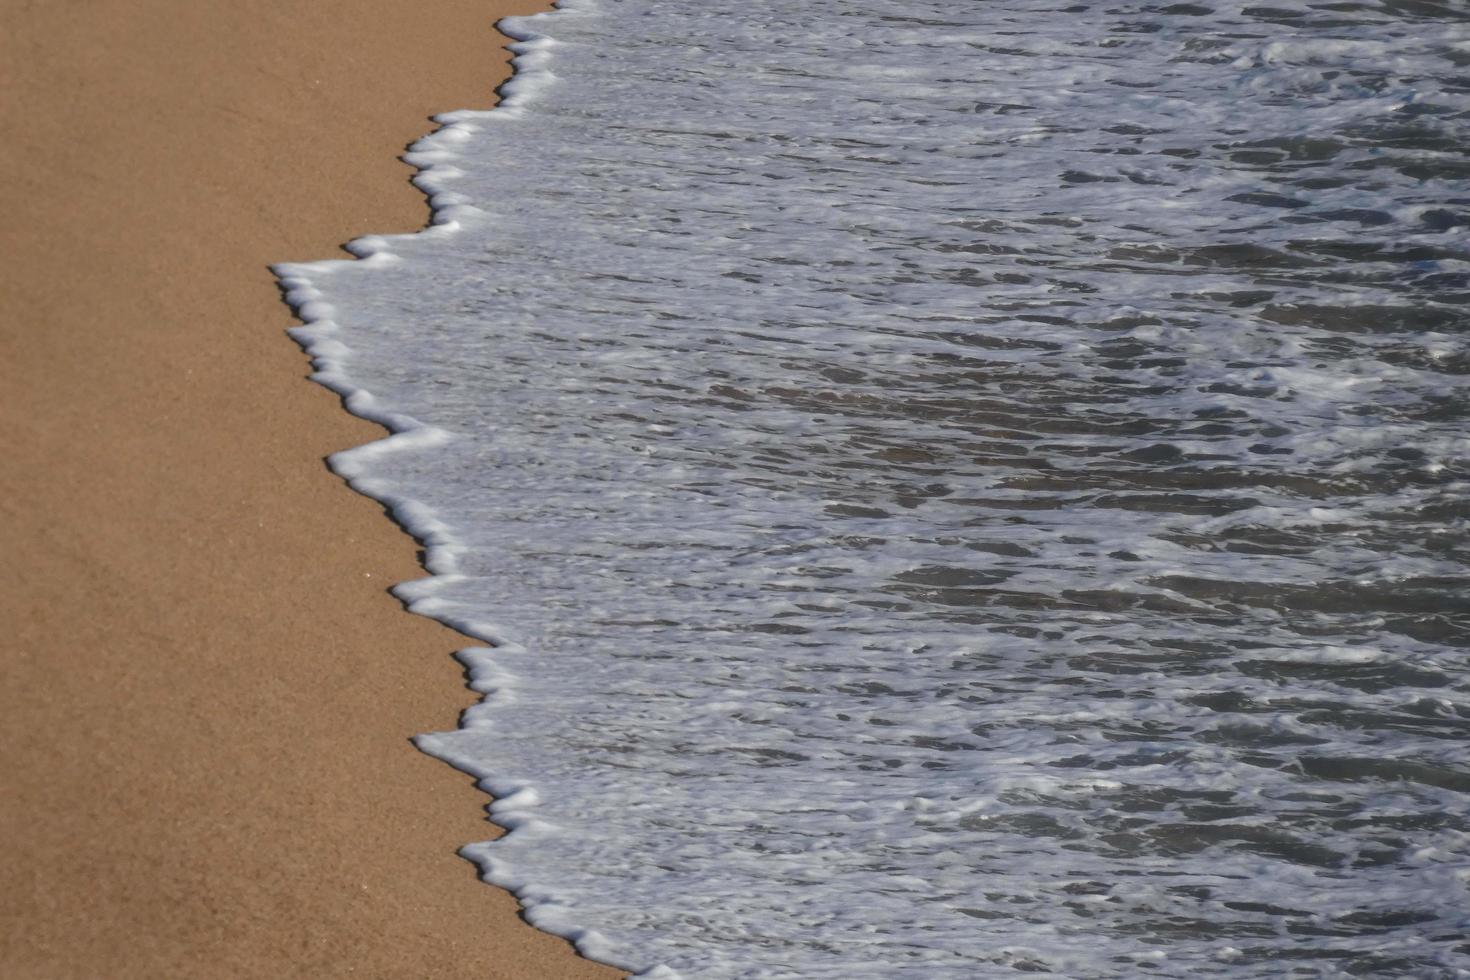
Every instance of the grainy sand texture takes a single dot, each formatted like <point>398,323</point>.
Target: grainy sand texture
<point>208,693</point>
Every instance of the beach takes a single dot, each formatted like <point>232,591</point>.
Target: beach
<point>922,492</point>
<point>953,490</point>
<point>209,693</point>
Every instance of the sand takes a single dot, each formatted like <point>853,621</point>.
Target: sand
<point>208,693</point>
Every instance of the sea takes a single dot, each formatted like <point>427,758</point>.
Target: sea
<point>948,488</point>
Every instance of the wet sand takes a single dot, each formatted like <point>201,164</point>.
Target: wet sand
<point>208,693</point>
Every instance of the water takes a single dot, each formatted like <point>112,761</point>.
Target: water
<point>951,489</point>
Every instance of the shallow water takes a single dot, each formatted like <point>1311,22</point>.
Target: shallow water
<point>955,489</point>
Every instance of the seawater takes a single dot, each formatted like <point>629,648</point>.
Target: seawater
<point>948,489</point>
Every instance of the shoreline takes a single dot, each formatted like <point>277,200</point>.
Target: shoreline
<point>209,692</point>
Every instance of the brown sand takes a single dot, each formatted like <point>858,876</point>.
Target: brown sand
<point>207,693</point>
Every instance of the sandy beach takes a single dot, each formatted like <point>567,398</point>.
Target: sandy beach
<point>208,691</point>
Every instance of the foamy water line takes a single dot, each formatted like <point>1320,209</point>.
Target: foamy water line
<point>947,490</point>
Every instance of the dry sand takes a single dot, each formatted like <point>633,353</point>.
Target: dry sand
<point>207,692</point>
